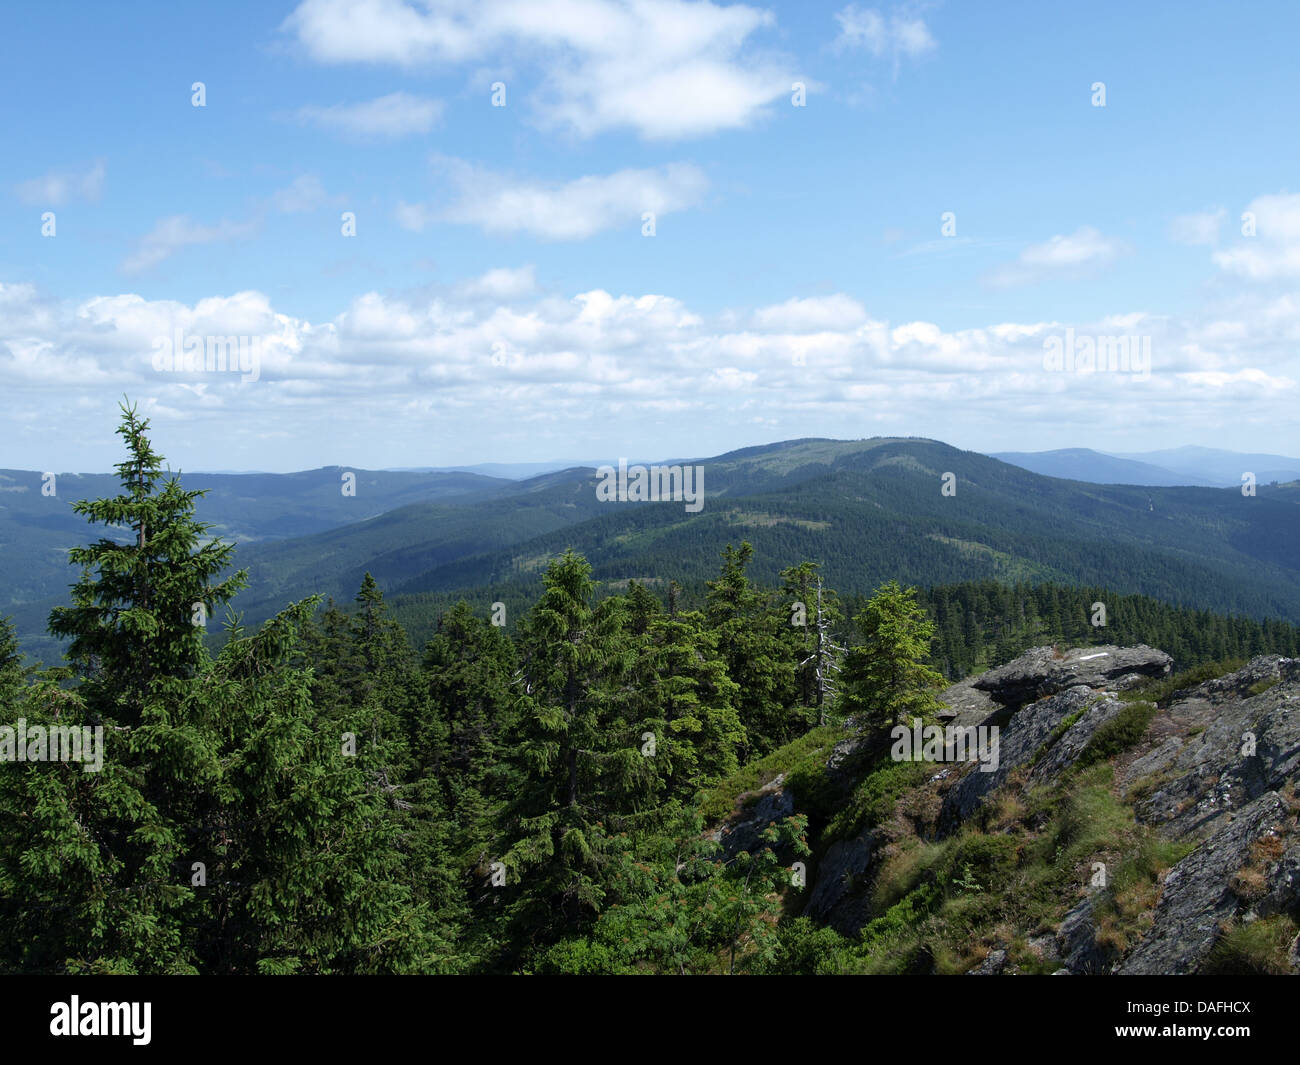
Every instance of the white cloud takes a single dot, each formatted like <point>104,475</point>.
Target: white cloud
<point>541,366</point>
<point>172,234</point>
<point>59,187</point>
<point>502,283</point>
<point>812,314</point>
<point>572,210</point>
<point>664,68</point>
<point>1083,251</point>
<point>1200,227</point>
<point>896,36</point>
<point>1273,253</point>
<point>398,114</point>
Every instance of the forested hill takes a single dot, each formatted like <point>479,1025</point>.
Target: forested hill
<point>868,511</point>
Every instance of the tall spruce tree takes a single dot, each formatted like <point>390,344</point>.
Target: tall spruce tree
<point>886,678</point>
<point>227,830</point>
<point>752,640</point>
<point>583,776</point>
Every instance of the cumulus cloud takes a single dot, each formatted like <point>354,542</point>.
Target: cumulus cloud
<point>664,68</point>
<point>814,314</point>
<point>1078,254</point>
<point>501,283</point>
<point>495,352</point>
<point>1273,252</point>
<point>896,36</point>
<point>572,210</point>
<point>62,186</point>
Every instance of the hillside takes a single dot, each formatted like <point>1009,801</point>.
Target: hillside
<point>866,510</point>
<point>1123,829</point>
<point>1201,466</point>
<point>1084,464</point>
<point>627,783</point>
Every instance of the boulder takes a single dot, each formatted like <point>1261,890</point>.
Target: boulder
<point>1046,671</point>
<point>992,965</point>
<point>1018,742</point>
<point>1215,772</point>
<point>743,832</point>
<point>839,897</point>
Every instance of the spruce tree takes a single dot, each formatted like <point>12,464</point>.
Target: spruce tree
<point>886,678</point>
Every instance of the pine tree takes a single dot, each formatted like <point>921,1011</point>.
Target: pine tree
<point>227,830</point>
<point>136,623</point>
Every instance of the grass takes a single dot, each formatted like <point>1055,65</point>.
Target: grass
<point>876,796</point>
<point>944,904</point>
<point>1158,690</point>
<point>802,760</point>
<point>1121,732</point>
<point>1259,948</point>
<point>1125,912</point>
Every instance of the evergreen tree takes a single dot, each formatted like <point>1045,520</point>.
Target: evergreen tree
<point>886,678</point>
<point>583,774</point>
<point>752,640</point>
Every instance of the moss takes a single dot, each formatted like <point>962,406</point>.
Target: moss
<point>1261,686</point>
<point>876,796</point>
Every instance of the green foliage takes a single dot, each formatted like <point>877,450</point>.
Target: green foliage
<point>886,679</point>
<point>1121,732</point>
<point>317,795</point>
<point>1158,690</point>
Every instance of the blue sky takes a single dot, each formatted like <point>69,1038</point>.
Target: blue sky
<point>500,302</point>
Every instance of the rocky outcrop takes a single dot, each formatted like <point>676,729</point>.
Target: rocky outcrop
<point>839,895</point>
<point>1198,896</point>
<point>1216,767</point>
<point>1235,738</point>
<point>1018,742</point>
<point>1076,942</point>
<point>1045,671</point>
<point>992,965</point>
<point>773,802</point>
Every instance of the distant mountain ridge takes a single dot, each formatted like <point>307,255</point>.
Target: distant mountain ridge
<point>1193,466</point>
<point>869,510</point>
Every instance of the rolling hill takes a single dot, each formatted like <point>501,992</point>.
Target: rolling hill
<point>868,510</point>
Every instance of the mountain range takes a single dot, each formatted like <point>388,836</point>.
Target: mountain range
<point>1199,466</point>
<point>868,510</point>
